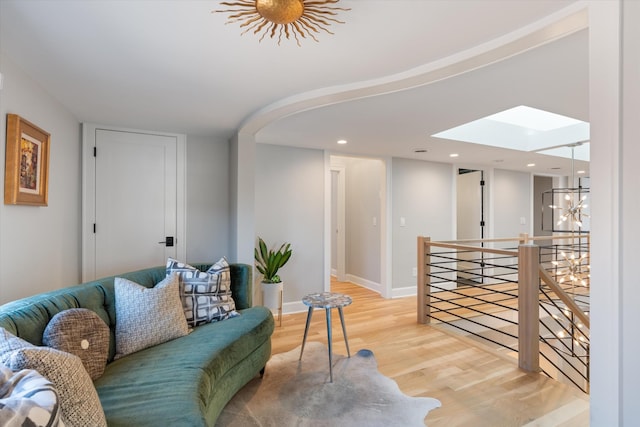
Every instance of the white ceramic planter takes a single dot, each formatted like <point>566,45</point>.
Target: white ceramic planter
<point>272,297</point>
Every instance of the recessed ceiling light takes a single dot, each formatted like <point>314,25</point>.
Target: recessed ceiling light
<point>581,172</point>
<point>530,165</point>
<point>453,155</point>
<point>342,141</point>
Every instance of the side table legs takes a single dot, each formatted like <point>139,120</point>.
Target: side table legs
<point>344,331</point>
<point>306,329</point>
<point>329,336</point>
<point>328,311</point>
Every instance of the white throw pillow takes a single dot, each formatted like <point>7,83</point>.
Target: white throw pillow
<point>147,316</point>
<point>79,400</point>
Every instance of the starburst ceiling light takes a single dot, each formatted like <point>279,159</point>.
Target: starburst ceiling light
<point>574,271</point>
<point>573,211</point>
<point>284,17</point>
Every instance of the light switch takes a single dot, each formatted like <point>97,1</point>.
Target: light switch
<point>375,221</point>
<point>402,221</point>
<point>523,220</point>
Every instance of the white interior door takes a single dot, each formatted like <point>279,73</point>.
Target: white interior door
<point>469,203</point>
<point>137,200</point>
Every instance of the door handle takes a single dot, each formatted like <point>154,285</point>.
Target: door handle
<point>167,241</point>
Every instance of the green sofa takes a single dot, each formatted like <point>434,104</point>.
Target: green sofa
<point>183,382</point>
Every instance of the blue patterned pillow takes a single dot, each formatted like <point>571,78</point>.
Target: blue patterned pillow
<point>206,296</point>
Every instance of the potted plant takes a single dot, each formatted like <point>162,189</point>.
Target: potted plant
<point>268,262</point>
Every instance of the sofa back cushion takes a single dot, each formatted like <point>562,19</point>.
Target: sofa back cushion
<point>27,318</point>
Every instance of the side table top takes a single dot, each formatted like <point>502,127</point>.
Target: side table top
<point>327,300</point>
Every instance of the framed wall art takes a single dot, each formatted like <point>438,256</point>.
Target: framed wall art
<point>26,179</point>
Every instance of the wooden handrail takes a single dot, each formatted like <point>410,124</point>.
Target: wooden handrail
<point>571,304</point>
<point>474,249</point>
<point>516,240</point>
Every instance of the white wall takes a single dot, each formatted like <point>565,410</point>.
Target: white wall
<point>207,199</point>
<point>422,194</point>
<point>40,246</point>
<point>614,92</point>
<point>512,201</point>
<point>289,206</point>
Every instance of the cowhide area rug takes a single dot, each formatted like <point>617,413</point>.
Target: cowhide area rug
<point>298,393</point>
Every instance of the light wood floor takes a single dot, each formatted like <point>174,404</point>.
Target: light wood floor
<point>477,387</point>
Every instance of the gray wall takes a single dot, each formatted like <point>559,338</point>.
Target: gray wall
<point>207,199</point>
<point>40,246</point>
<point>512,200</point>
<point>289,204</point>
<point>422,194</point>
<point>540,185</point>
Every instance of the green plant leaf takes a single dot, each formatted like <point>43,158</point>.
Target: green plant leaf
<point>269,261</point>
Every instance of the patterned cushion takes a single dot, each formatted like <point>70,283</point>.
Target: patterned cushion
<point>78,397</point>
<point>10,343</point>
<point>206,296</point>
<point>81,332</point>
<point>147,316</point>
<point>27,399</point>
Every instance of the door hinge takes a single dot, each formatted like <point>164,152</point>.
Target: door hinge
<point>481,223</point>
<point>94,228</point>
<point>482,182</point>
<point>95,151</point>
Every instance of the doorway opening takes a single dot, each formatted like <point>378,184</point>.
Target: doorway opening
<point>357,221</point>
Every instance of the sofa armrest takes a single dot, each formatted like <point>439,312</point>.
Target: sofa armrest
<point>242,285</point>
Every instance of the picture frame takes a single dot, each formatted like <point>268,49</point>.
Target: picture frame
<point>26,179</point>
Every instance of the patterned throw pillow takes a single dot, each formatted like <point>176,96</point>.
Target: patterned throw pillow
<point>10,343</point>
<point>79,400</point>
<point>81,332</point>
<point>147,316</point>
<point>206,296</point>
<point>28,399</point>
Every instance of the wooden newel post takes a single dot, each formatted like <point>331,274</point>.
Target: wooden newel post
<point>528,308</point>
<point>424,280</point>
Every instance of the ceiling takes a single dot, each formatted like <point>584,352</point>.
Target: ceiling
<point>396,72</point>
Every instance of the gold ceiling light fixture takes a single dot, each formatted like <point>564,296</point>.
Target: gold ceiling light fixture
<point>297,18</point>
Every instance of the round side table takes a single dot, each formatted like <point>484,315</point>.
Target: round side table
<point>326,300</point>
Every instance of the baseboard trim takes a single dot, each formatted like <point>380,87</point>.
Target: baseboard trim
<point>408,291</point>
<point>365,283</point>
<point>294,307</point>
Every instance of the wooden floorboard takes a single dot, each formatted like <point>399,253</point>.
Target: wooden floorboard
<point>477,386</point>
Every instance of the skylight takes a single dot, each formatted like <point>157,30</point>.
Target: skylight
<point>532,118</point>
<point>522,128</point>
